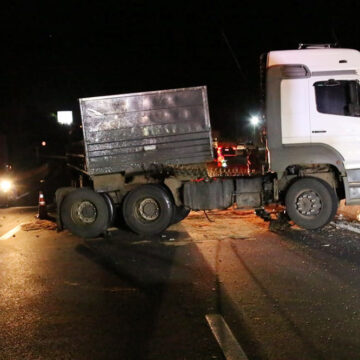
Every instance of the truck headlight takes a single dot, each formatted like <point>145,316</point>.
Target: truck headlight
<point>5,185</point>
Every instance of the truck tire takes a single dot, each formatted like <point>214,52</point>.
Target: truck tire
<point>111,207</point>
<point>311,203</point>
<point>85,213</point>
<point>180,213</point>
<point>148,209</point>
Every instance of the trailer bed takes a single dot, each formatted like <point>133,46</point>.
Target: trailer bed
<point>132,132</point>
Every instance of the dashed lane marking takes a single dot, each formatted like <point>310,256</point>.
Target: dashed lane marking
<point>10,233</point>
<point>225,338</point>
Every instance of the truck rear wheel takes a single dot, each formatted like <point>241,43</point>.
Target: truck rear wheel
<point>148,209</point>
<point>311,203</point>
<point>85,213</point>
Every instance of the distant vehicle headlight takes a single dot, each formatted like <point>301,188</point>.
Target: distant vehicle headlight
<point>5,185</point>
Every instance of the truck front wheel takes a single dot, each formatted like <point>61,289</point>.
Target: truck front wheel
<point>311,203</point>
<point>148,209</point>
<point>85,213</point>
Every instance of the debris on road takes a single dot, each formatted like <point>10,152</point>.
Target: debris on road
<point>354,227</point>
<point>39,225</point>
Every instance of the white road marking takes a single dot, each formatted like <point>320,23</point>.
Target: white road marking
<point>346,227</point>
<point>225,338</point>
<point>10,233</point>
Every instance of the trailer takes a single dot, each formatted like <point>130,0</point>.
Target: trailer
<point>148,154</point>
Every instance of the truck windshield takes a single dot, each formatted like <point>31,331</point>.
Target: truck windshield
<point>337,97</point>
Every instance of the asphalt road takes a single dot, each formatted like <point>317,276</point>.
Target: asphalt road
<point>285,294</point>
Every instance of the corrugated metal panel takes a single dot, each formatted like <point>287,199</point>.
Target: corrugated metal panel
<point>133,131</point>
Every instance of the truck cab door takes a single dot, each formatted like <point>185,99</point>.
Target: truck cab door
<point>295,122</point>
<point>335,116</point>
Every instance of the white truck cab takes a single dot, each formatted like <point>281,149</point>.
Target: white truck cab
<point>313,112</point>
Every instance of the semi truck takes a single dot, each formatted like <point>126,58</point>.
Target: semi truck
<point>147,153</point>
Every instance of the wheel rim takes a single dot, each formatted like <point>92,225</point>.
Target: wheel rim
<point>308,203</point>
<point>84,212</point>
<point>148,209</point>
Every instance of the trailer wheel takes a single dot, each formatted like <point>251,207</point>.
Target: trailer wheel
<point>311,203</point>
<point>85,213</point>
<point>180,213</point>
<point>148,209</point>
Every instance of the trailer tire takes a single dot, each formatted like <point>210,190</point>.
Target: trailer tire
<point>111,207</point>
<point>148,209</point>
<point>311,203</point>
<point>85,213</point>
<point>180,213</point>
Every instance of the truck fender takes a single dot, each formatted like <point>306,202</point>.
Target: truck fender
<point>174,185</point>
<point>60,195</point>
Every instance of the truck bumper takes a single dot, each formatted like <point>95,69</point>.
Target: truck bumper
<point>352,187</point>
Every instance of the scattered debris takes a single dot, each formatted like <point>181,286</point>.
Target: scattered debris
<point>140,242</point>
<point>39,225</point>
<point>207,216</point>
<point>233,237</point>
<point>276,225</point>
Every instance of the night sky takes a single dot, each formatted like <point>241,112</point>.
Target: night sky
<point>56,53</point>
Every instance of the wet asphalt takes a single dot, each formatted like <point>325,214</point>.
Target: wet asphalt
<point>125,297</point>
<point>286,293</point>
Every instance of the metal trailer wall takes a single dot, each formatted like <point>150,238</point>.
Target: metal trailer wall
<point>137,131</point>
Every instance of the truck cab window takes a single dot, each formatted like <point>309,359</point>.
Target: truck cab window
<point>337,97</point>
